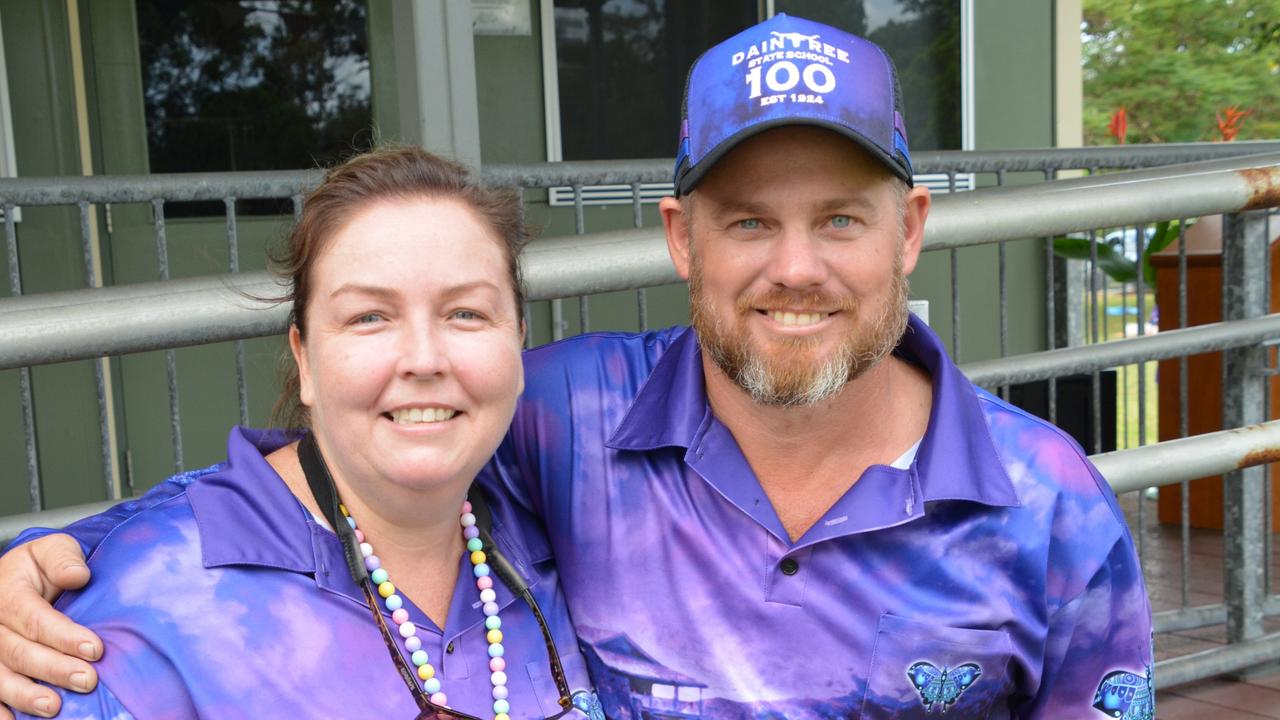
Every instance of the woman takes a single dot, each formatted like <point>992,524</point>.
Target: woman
<point>237,599</point>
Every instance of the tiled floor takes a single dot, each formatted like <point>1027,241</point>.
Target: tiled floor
<point>1226,698</point>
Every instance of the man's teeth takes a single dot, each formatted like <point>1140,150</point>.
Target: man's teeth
<point>797,319</point>
<point>421,415</point>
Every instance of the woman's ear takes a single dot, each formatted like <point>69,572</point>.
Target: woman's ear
<point>306,393</point>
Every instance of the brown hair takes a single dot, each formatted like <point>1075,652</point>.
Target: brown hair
<point>396,173</point>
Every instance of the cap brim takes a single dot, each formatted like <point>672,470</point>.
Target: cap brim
<point>694,174</point>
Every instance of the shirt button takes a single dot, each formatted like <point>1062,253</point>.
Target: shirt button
<point>789,566</point>
<point>449,649</point>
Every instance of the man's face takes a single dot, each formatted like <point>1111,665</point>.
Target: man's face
<point>797,265</point>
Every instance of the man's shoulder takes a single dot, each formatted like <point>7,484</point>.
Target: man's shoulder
<point>1050,471</point>
<point>599,358</point>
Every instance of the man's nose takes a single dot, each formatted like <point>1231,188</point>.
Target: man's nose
<point>797,261</point>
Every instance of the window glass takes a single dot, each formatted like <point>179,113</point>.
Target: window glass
<point>253,84</point>
<point>923,39</point>
<point>622,67</point>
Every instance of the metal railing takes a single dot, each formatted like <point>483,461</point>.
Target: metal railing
<point>92,323</point>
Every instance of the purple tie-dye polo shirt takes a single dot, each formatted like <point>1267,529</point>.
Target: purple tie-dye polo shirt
<point>993,578</point>
<point>227,599</point>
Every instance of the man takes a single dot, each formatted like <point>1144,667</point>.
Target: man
<point>800,508</point>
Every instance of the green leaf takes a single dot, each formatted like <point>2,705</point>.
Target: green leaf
<point>1114,264</point>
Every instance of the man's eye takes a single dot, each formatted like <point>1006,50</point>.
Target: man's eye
<point>841,221</point>
<point>368,318</point>
<point>749,224</point>
<point>466,315</point>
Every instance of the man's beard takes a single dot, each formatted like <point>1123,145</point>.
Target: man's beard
<point>787,375</point>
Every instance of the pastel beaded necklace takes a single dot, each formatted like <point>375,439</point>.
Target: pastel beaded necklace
<point>366,571</point>
<point>409,632</point>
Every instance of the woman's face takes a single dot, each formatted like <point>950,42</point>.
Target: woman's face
<point>411,363</point>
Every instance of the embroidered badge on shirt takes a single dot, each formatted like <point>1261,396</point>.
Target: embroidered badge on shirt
<point>942,687</point>
<point>1126,695</point>
<point>589,704</point>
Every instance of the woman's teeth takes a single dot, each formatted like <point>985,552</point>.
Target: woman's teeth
<point>410,416</point>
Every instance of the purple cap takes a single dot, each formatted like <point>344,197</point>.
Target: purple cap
<point>790,71</point>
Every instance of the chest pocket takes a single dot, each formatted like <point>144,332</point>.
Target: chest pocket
<point>575,670</point>
<point>920,670</point>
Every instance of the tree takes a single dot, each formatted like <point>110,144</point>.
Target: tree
<point>1176,65</point>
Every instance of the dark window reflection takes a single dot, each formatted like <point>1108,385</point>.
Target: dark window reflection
<point>923,38</point>
<point>253,85</point>
<point>622,67</point>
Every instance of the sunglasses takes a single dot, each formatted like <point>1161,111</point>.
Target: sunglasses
<point>326,495</point>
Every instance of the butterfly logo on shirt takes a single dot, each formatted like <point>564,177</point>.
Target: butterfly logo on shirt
<point>941,687</point>
<point>589,704</point>
<point>1126,695</point>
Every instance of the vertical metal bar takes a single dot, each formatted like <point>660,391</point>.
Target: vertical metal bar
<point>580,227</point>
<point>1140,244</point>
<point>1004,296</point>
<point>1244,286</point>
<point>1051,313</point>
<point>1184,418</point>
<point>297,207</point>
<point>170,358</point>
<point>955,285</point>
<point>34,496</point>
<point>99,377</point>
<point>233,264</point>
<point>1096,315</point>
<point>1268,534</point>
<point>637,220</point>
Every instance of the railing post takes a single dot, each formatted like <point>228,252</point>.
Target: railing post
<point>1244,267</point>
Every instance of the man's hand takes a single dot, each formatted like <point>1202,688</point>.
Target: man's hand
<point>37,641</point>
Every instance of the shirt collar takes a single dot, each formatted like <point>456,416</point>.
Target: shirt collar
<point>246,515</point>
<point>957,459</point>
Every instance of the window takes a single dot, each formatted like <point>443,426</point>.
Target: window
<point>253,85</point>
<point>615,88</point>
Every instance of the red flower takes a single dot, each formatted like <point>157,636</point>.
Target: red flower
<point>1119,126</point>
<point>1229,121</point>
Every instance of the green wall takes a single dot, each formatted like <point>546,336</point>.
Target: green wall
<point>37,48</point>
<point>1014,109</point>
<point>1013,87</point>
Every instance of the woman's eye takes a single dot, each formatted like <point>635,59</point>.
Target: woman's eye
<point>841,221</point>
<point>749,224</point>
<point>466,315</point>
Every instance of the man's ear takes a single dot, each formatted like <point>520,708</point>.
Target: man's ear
<point>305,392</point>
<point>915,212</point>
<point>676,218</point>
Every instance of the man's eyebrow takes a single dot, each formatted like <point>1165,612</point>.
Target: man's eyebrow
<point>856,202</point>
<point>739,207</point>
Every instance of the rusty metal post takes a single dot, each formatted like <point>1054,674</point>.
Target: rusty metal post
<point>1244,267</point>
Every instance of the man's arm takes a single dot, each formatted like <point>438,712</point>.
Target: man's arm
<point>37,641</point>
<point>1098,652</point>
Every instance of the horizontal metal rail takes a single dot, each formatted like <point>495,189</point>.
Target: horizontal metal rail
<point>1164,463</point>
<point>1217,661</point>
<point>1190,618</point>
<point>1115,353</point>
<point>89,323</point>
<point>1190,458</point>
<point>183,187</point>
